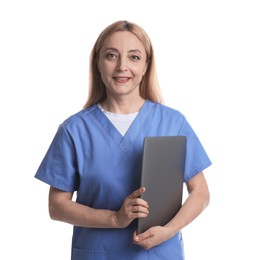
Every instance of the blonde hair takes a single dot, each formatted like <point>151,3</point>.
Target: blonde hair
<point>149,86</point>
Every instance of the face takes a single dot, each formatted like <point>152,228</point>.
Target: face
<point>122,64</point>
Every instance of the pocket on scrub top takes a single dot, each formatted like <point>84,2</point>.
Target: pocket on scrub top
<point>88,254</point>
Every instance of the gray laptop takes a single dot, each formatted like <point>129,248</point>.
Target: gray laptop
<point>162,174</point>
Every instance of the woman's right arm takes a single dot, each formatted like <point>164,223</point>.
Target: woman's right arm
<point>63,208</point>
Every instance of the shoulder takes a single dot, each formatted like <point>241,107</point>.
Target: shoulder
<point>164,109</point>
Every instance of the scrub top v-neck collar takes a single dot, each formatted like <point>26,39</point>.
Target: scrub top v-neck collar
<point>124,142</point>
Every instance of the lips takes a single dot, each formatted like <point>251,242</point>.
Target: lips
<point>121,79</point>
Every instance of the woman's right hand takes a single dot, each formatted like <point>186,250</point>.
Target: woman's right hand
<point>133,207</point>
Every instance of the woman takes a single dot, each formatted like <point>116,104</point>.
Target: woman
<point>97,153</point>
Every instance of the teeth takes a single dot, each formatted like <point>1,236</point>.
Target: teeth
<point>122,79</point>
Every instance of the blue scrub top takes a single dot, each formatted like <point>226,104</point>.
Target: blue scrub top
<point>90,156</point>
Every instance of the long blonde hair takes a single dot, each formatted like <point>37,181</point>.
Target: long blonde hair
<point>149,86</point>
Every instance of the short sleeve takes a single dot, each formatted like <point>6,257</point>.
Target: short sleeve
<point>196,159</point>
<point>58,167</point>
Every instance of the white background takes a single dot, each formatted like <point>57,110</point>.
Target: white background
<point>204,58</point>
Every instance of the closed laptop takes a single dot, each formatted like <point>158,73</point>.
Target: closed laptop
<point>162,175</point>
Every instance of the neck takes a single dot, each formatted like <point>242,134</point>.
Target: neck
<point>122,106</point>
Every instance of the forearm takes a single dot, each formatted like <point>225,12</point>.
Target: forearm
<point>81,215</point>
<point>193,206</point>
<point>63,208</point>
<point>196,202</point>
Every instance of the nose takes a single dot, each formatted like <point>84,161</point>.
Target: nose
<point>122,64</point>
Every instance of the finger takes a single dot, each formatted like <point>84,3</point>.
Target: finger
<point>137,193</point>
<point>136,237</point>
<point>142,236</point>
<point>140,202</point>
<point>145,242</point>
<point>140,209</point>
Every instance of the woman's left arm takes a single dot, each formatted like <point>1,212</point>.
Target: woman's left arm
<point>195,203</point>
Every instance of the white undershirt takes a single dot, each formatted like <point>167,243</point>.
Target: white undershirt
<point>122,122</point>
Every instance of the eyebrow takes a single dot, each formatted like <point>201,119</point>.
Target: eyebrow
<point>135,50</point>
<point>130,51</point>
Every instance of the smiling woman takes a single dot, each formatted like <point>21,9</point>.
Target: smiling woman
<point>122,63</point>
<point>148,86</point>
<point>97,153</point>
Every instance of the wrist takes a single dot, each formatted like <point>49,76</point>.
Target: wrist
<point>114,219</point>
<point>171,230</point>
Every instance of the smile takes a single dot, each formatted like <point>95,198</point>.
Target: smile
<point>121,79</point>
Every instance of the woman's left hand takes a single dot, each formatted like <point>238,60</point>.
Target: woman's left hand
<point>152,237</point>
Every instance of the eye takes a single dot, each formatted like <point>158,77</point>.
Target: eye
<point>135,57</point>
<point>111,55</point>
